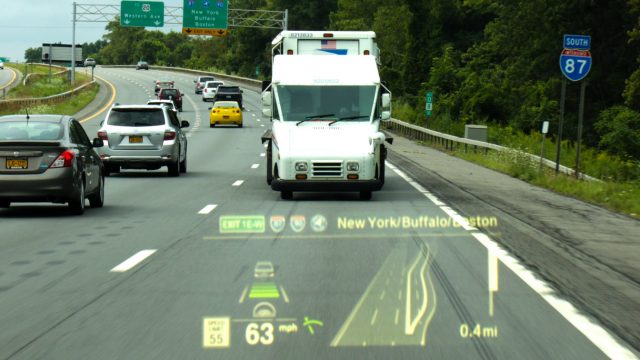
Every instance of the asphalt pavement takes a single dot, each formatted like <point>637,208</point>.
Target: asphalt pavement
<point>166,269</point>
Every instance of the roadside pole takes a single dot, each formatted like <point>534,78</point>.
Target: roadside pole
<point>73,48</point>
<point>50,76</point>
<point>545,130</point>
<point>563,93</point>
<point>583,86</point>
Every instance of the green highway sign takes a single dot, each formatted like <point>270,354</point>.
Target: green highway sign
<point>142,13</point>
<point>429,106</point>
<point>4,59</point>
<point>242,224</point>
<point>205,17</point>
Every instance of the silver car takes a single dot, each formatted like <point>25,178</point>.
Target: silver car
<point>143,137</point>
<point>209,90</point>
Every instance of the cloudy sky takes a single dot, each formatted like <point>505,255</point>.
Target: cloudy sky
<point>29,23</point>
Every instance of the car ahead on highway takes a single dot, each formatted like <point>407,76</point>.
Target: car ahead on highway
<point>143,137</point>
<point>200,81</point>
<point>167,103</point>
<point>264,270</point>
<point>228,93</point>
<point>49,158</point>
<point>209,89</point>
<point>163,84</point>
<point>225,112</point>
<point>173,95</point>
<point>142,65</point>
<point>1,65</point>
<point>90,62</point>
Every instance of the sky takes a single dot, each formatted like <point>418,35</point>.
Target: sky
<point>30,23</point>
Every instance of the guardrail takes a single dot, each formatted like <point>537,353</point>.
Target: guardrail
<point>238,79</point>
<point>451,142</point>
<point>49,100</point>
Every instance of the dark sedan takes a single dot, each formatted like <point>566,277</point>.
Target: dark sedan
<point>49,158</point>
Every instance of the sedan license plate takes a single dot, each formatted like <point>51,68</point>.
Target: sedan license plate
<point>225,116</point>
<point>17,164</point>
<point>135,139</point>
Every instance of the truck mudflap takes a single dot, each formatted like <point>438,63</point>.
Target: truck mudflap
<point>266,136</point>
<point>324,185</point>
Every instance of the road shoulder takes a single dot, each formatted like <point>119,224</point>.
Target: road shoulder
<point>589,254</point>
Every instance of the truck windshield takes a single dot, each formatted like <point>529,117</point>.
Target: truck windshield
<point>351,103</point>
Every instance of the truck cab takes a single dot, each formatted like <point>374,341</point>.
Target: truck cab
<point>326,112</point>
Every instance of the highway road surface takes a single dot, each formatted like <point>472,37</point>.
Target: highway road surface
<point>166,270</point>
<point>6,77</point>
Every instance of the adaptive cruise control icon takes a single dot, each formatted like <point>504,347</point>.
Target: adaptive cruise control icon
<point>298,223</point>
<point>278,222</point>
<point>318,223</point>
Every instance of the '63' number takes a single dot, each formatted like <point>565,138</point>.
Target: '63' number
<point>259,334</point>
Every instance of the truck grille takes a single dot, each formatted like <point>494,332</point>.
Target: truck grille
<point>327,168</point>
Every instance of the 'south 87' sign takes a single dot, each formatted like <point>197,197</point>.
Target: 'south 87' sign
<point>575,59</point>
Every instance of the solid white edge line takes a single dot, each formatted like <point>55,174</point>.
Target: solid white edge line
<point>207,209</point>
<point>238,183</point>
<point>598,335</point>
<point>131,262</point>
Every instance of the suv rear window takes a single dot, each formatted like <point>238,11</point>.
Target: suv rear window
<point>32,131</point>
<point>169,92</point>
<point>136,117</point>
<point>222,88</point>
<point>205,79</point>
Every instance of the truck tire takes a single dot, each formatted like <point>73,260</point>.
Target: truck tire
<point>286,194</point>
<point>383,158</point>
<point>365,195</point>
<point>269,165</point>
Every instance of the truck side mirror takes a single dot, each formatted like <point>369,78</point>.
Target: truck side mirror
<point>386,100</point>
<point>266,99</point>
<point>266,112</point>
<point>385,115</point>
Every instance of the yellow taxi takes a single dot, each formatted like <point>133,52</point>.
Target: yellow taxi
<point>225,113</point>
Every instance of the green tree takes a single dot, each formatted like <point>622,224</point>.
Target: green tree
<point>33,55</point>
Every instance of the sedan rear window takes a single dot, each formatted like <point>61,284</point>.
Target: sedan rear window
<point>136,117</point>
<point>170,92</point>
<point>33,130</point>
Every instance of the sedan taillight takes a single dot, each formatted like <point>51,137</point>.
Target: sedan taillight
<point>169,135</point>
<point>103,135</point>
<point>64,160</point>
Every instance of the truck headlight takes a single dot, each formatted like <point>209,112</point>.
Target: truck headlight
<point>353,166</point>
<point>301,166</point>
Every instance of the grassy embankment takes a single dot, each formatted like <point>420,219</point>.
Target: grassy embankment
<point>618,191</point>
<point>42,87</point>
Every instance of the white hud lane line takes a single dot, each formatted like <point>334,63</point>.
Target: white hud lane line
<point>131,262</point>
<point>207,209</point>
<point>593,331</point>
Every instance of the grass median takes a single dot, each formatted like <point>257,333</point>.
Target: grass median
<point>68,107</point>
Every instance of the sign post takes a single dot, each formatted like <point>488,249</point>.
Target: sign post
<point>575,63</point>
<point>545,130</point>
<point>205,17</point>
<point>141,13</point>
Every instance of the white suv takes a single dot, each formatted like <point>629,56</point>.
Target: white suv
<point>143,137</point>
<point>209,90</point>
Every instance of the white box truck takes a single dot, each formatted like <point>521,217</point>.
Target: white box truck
<point>326,113</point>
<point>61,54</point>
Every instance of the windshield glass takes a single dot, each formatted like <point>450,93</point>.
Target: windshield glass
<point>299,103</point>
<point>136,117</point>
<point>31,131</point>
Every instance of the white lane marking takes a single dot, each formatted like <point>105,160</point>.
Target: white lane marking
<point>255,166</point>
<point>207,209</point>
<point>284,294</point>
<point>254,115</point>
<point>133,261</point>
<point>383,293</point>
<point>397,316</point>
<point>238,183</point>
<point>262,125</point>
<point>601,338</point>
<point>244,294</point>
<point>265,145</point>
<point>263,155</point>
<point>373,318</point>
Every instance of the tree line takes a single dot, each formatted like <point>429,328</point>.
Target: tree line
<point>486,61</point>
